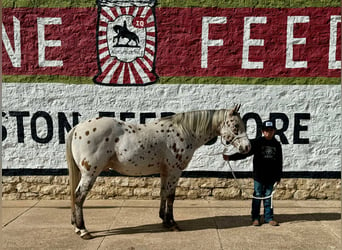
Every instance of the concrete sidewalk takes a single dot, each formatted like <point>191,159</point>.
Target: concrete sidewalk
<point>205,224</point>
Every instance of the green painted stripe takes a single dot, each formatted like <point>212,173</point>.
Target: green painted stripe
<point>253,80</point>
<point>46,79</point>
<point>181,3</point>
<point>184,80</point>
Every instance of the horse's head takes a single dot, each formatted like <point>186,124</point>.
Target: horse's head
<point>233,130</point>
<point>117,28</point>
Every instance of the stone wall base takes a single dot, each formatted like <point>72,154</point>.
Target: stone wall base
<point>56,187</point>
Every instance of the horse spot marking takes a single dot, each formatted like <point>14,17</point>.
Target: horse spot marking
<point>86,164</point>
<point>80,137</point>
<point>117,140</point>
<point>174,147</point>
<point>107,139</point>
<point>94,129</point>
<point>179,157</point>
<point>88,142</point>
<point>87,133</point>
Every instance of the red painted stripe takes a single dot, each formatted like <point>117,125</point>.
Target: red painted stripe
<point>136,75</point>
<point>179,50</point>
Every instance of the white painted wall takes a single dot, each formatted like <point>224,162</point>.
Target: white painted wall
<point>322,102</point>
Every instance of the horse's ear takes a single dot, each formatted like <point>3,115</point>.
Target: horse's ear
<point>236,109</point>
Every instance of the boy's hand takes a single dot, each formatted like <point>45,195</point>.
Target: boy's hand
<point>226,157</point>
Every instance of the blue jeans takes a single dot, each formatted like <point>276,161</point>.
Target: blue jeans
<point>262,190</point>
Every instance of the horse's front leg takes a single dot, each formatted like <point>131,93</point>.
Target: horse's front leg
<point>168,191</point>
<point>163,195</point>
<point>169,219</point>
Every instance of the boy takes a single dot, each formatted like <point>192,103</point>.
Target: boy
<point>267,170</point>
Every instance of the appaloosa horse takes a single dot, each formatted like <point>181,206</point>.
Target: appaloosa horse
<point>163,147</point>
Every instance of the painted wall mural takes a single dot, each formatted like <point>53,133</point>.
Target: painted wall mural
<point>280,60</point>
<point>126,42</point>
<point>192,42</point>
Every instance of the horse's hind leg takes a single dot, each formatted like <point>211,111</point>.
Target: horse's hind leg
<point>82,190</point>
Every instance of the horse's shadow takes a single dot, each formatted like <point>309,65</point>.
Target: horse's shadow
<point>215,222</point>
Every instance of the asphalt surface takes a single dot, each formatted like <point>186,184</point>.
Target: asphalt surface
<point>204,224</point>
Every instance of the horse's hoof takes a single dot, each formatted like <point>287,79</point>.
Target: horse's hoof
<point>77,231</point>
<point>87,236</point>
<point>172,226</point>
<point>175,228</point>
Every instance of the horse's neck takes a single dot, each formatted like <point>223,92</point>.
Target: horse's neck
<point>197,140</point>
<point>200,140</point>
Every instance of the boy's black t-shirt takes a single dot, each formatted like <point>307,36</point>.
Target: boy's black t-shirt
<point>267,160</point>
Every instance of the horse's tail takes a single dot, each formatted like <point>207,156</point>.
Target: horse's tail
<point>74,172</point>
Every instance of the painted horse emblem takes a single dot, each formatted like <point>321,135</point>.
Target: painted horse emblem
<point>163,147</point>
<point>126,38</point>
<point>124,33</point>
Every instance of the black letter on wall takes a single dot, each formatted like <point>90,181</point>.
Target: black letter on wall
<point>298,128</point>
<point>166,114</point>
<point>144,116</point>
<point>4,130</point>
<point>49,124</point>
<point>257,120</point>
<point>63,125</point>
<point>106,114</point>
<point>125,115</point>
<point>280,132</point>
<point>20,123</point>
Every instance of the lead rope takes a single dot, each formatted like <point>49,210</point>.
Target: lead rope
<point>240,186</point>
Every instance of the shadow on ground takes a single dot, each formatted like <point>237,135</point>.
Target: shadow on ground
<point>216,222</point>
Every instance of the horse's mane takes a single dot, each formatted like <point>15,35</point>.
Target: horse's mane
<point>197,122</point>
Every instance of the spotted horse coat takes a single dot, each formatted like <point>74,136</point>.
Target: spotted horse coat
<point>163,147</point>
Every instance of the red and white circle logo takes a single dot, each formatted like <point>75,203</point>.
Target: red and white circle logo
<point>126,43</point>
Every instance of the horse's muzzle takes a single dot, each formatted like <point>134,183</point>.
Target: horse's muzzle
<point>244,149</point>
